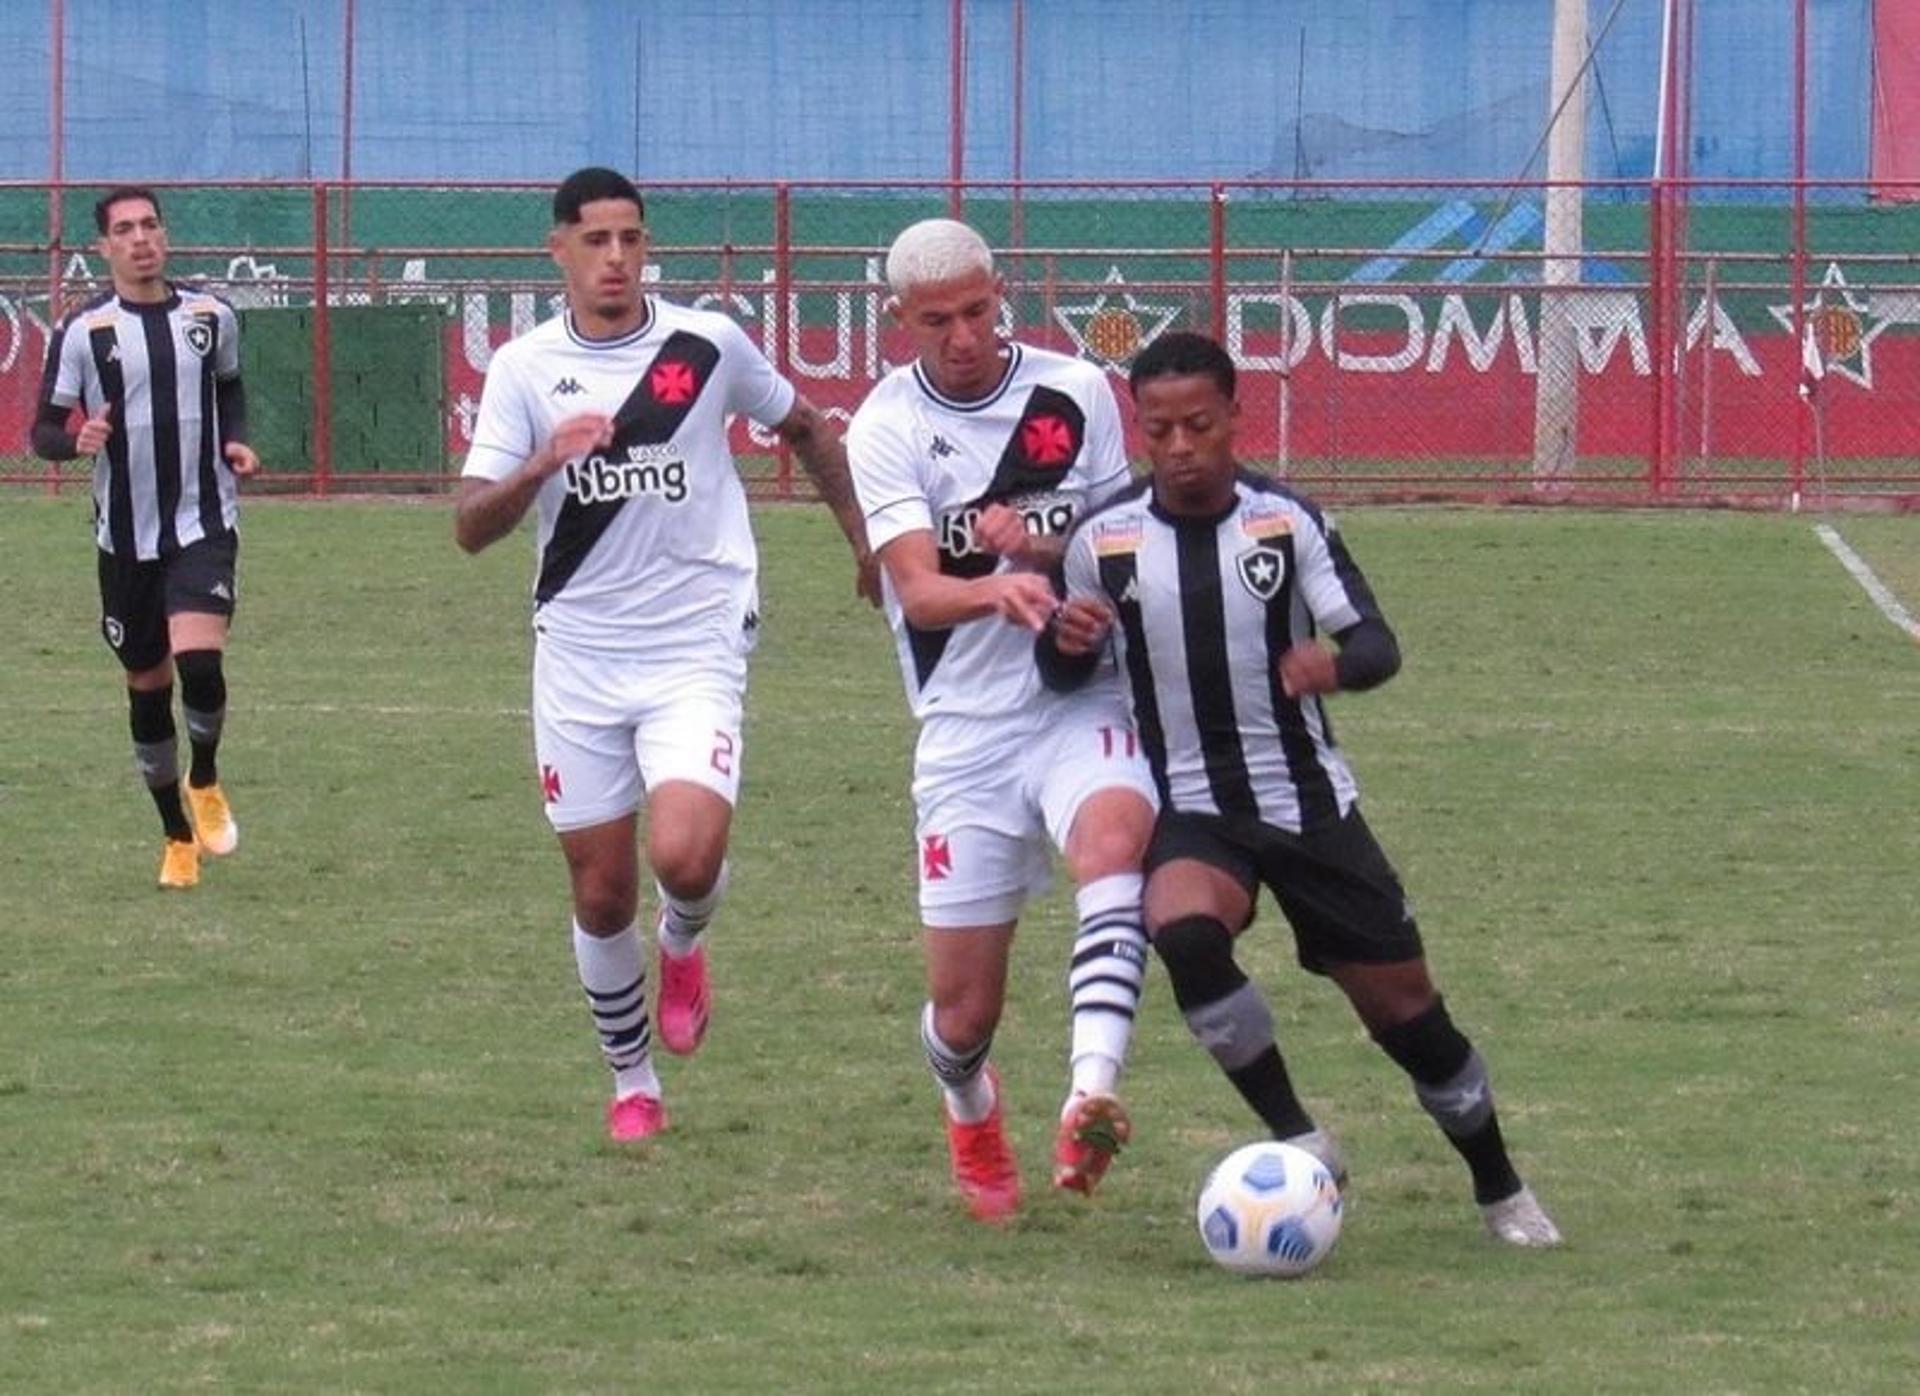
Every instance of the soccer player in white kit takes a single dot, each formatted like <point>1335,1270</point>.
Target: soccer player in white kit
<point>610,421</point>
<point>971,463</point>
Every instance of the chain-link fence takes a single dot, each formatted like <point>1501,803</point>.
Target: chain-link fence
<point>1675,342</point>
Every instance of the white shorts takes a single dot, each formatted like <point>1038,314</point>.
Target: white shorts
<point>607,728</point>
<point>990,796</point>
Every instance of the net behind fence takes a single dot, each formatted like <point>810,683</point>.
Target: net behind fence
<point>1393,340</point>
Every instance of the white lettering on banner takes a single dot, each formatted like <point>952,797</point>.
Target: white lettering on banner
<point>1726,335</point>
<point>1401,359</point>
<point>1481,351</point>
<point>1601,321</point>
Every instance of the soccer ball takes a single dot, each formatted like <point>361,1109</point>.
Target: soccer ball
<point>1269,1209</point>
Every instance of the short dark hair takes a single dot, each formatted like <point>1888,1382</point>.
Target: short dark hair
<point>1184,354</point>
<point>121,195</point>
<point>586,186</point>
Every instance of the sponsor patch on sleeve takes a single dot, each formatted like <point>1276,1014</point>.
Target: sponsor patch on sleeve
<point>1266,524</point>
<point>1116,537</point>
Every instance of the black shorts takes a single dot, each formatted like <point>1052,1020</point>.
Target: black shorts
<point>1335,887</point>
<point>137,597</point>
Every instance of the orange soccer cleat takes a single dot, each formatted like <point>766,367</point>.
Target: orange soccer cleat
<point>983,1164</point>
<point>1093,1128</point>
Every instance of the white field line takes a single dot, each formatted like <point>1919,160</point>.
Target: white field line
<point>1876,590</point>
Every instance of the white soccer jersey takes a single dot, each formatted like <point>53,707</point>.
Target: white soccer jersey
<point>160,483</point>
<point>1205,609</point>
<point>1047,442</point>
<point>645,546</point>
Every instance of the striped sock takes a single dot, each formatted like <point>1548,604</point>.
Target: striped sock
<point>962,1075</point>
<point>1105,979</point>
<point>614,975</point>
<point>682,923</point>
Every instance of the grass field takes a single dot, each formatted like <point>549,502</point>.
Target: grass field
<point>331,1121</point>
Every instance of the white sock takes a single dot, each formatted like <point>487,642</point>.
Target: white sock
<point>964,1079</point>
<point>613,972</point>
<point>1105,980</point>
<point>682,923</point>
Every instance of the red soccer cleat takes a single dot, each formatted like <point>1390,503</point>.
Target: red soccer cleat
<point>983,1165</point>
<point>1093,1129</point>
<point>632,1118</point>
<point>685,1001</point>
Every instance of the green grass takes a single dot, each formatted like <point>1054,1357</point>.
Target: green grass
<point>330,1122</point>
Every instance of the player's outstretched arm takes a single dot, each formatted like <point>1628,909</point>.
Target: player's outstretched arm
<point>822,452</point>
<point>934,601</point>
<point>488,510</point>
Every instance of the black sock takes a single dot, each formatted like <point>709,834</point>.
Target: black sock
<point>1265,1085</point>
<point>150,717</point>
<point>203,697</point>
<point>1230,1018</point>
<point>1451,1083</point>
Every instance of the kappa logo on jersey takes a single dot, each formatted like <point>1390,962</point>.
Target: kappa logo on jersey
<point>198,334</point>
<point>1044,516</point>
<point>549,785</point>
<point>936,858</point>
<point>566,387</point>
<point>1048,440</point>
<point>673,383</point>
<point>942,447</point>
<point>645,469</point>
<point>1261,571</point>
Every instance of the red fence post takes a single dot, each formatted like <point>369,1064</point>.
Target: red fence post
<point>322,348</point>
<point>1803,400</point>
<point>1217,262</point>
<point>1656,328</point>
<point>783,316</point>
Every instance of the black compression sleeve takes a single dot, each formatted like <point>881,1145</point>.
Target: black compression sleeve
<point>1369,655</point>
<point>1062,672</point>
<point>51,439</point>
<point>230,399</point>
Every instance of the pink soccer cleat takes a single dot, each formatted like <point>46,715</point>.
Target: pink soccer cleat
<point>632,1118</point>
<point>686,1001</point>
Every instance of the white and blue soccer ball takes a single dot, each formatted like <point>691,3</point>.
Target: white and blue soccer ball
<point>1269,1209</point>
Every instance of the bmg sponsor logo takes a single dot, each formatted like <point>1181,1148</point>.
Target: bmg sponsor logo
<point>1045,516</point>
<point>657,470</point>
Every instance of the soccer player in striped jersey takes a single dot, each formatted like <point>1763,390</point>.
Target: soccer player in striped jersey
<point>610,423</point>
<point>151,371</point>
<point>971,462</point>
<point>1215,585</point>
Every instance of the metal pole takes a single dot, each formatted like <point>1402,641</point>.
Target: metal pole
<point>1019,226</point>
<point>1217,254</point>
<point>56,173</point>
<point>1556,387</point>
<point>1286,362</point>
<point>956,104</point>
<point>1799,277</point>
<point>346,131</point>
<point>783,318</point>
<point>322,347</point>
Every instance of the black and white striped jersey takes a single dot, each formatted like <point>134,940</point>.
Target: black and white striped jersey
<point>1205,608</point>
<point>161,482</point>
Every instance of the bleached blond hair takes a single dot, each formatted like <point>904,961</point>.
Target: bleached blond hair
<point>933,251</point>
